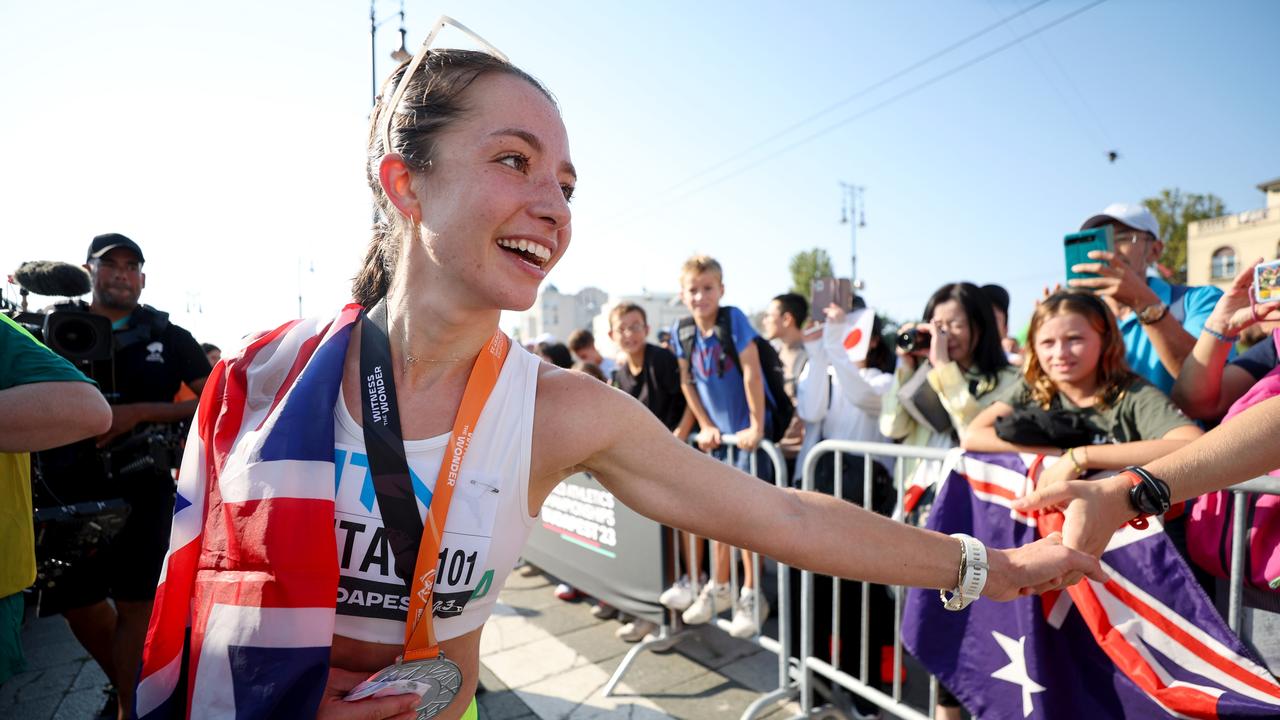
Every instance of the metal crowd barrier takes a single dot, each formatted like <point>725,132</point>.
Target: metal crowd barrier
<point>673,630</point>
<point>893,702</point>
<point>1265,485</point>
<point>859,685</point>
<point>796,678</point>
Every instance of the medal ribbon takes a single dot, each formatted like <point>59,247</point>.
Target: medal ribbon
<point>413,544</point>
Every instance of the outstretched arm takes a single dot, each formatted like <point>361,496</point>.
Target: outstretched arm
<point>1233,452</point>
<point>646,468</point>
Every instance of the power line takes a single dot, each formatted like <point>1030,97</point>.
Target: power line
<point>867,111</point>
<point>860,93</point>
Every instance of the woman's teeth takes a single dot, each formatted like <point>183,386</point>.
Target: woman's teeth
<point>536,250</point>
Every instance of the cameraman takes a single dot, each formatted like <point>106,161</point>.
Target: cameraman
<point>151,359</point>
<point>44,402</point>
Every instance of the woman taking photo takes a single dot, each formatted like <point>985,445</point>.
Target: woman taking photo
<point>957,349</point>
<point>1077,368</point>
<point>469,164</point>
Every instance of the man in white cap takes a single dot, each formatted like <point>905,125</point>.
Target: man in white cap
<point>1160,321</point>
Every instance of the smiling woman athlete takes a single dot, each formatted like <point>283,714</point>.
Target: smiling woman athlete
<point>472,175</point>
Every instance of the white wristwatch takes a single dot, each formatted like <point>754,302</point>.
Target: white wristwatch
<point>972,576</point>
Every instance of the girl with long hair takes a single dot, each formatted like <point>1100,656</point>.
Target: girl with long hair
<point>284,530</point>
<point>1076,365</point>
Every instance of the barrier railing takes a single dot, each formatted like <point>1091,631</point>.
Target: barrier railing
<point>1265,485</point>
<point>796,677</point>
<point>893,702</point>
<point>859,685</point>
<point>672,630</point>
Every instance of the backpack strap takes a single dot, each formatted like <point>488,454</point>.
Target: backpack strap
<point>685,334</point>
<point>724,334</point>
<point>146,324</point>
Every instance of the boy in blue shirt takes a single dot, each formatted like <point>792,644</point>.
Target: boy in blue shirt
<point>725,397</point>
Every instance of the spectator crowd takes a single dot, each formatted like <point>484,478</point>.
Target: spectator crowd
<point>1120,368</point>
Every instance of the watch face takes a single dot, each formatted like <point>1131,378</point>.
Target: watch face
<point>1145,500</point>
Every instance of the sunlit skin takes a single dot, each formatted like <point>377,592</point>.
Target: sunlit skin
<point>1067,348</point>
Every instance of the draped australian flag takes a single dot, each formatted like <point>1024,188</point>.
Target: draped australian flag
<point>1147,643</point>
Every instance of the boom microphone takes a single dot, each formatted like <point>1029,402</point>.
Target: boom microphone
<point>52,278</point>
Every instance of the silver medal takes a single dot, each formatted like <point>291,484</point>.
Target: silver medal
<point>437,680</point>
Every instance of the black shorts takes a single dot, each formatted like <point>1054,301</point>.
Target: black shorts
<point>128,568</point>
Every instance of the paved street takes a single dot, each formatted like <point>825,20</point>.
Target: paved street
<point>543,659</point>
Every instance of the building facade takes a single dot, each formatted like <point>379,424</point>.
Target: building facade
<point>1218,248</point>
<point>557,314</point>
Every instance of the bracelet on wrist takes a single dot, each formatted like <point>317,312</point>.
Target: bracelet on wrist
<point>1232,339</point>
<point>1075,464</point>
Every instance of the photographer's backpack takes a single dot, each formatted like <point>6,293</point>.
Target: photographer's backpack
<point>780,408</point>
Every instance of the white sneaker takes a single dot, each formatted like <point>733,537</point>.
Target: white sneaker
<point>743,624</point>
<point>713,598</point>
<point>679,596</point>
<point>635,631</point>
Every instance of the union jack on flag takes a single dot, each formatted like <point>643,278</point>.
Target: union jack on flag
<point>244,611</point>
<point>1146,643</point>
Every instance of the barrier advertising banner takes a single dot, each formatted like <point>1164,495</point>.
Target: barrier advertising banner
<point>588,539</point>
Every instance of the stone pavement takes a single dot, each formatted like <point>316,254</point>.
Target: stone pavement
<point>542,659</point>
<point>61,681</point>
<point>554,657</point>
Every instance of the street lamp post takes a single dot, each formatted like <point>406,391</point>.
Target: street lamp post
<point>399,55</point>
<point>853,213</point>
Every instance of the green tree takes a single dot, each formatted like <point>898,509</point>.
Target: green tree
<point>1174,211</point>
<point>807,265</point>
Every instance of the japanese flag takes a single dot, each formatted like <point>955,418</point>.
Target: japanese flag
<point>855,333</point>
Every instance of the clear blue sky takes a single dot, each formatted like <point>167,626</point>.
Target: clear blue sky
<point>227,138</point>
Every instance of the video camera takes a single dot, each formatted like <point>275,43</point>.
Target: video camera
<point>67,327</point>
<point>914,339</point>
<point>77,488</point>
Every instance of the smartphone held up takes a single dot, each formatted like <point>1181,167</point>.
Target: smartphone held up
<point>1078,245</point>
<point>826,291</point>
<point>1266,282</point>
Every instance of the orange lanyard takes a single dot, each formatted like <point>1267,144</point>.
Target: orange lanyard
<point>383,441</point>
<point>419,633</point>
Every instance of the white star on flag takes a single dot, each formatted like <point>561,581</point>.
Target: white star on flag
<point>1016,671</point>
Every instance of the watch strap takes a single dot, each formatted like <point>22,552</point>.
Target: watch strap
<point>1148,496</point>
<point>972,577</point>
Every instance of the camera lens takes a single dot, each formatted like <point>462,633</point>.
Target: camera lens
<point>913,339</point>
<point>76,337</point>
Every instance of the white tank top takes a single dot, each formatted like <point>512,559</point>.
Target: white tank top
<point>486,529</point>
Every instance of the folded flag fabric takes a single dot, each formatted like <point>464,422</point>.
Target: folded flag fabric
<point>1146,643</point>
<point>244,611</point>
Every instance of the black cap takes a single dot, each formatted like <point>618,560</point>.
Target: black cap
<point>104,244</point>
